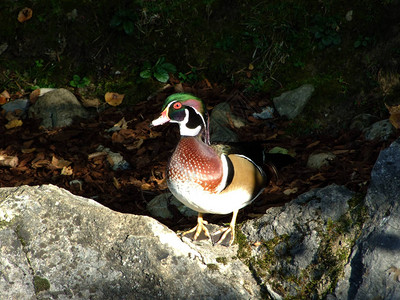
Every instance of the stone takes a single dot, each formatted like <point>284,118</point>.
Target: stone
<point>292,103</point>
<point>57,108</point>
<point>55,245</point>
<point>381,130</point>
<point>266,113</point>
<point>221,120</point>
<point>319,160</point>
<point>159,207</point>
<point>18,104</point>
<point>294,242</point>
<point>374,266</point>
<point>363,121</point>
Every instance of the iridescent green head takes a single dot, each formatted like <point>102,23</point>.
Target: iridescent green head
<point>186,110</point>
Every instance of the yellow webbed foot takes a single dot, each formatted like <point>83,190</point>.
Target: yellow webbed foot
<point>199,228</point>
<point>226,236</point>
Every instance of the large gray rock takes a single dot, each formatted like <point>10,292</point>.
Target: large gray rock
<point>373,271</point>
<point>57,108</point>
<point>302,246</point>
<point>54,245</point>
<point>291,103</point>
<point>381,130</point>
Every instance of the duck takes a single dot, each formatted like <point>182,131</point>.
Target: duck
<point>201,175</point>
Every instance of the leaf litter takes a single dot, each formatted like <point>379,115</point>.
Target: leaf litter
<point>69,158</point>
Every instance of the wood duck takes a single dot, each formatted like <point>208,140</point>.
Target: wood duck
<point>200,176</point>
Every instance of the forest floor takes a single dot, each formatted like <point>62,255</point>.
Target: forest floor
<point>44,154</point>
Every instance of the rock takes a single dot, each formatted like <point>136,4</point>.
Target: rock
<point>319,160</point>
<point>159,207</point>
<point>374,266</point>
<point>18,104</point>
<point>266,113</point>
<point>291,103</point>
<point>362,121</point>
<point>380,130</point>
<point>57,108</point>
<point>220,122</point>
<point>54,245</point>
<point>303,244</point>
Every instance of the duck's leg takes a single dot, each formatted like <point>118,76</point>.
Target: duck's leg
<point>224,233</point>
<point>199,228</point>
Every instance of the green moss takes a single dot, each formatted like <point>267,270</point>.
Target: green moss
<point>222,260</point>
<point>40,284</point>
<point>213,267</point>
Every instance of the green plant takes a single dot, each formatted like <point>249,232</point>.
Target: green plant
<point>39,63</point>
<point>326,31</point>
<point>190,76</point>
<point>124,20</point>
<point>78,82</point>
<point>362,41</point>
<point>160,70</point>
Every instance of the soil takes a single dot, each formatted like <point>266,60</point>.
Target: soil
<point>43,155</point>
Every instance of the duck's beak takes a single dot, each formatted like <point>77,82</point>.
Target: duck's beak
<point>161,119</point>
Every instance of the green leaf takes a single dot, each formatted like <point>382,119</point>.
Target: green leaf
<point>161,76</point>
<point>129,27</point>
<point>115,21</point>
<point>145,74</point>
<point>170,68</point>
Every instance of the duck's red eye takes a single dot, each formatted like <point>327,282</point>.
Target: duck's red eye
<point>177,105</point>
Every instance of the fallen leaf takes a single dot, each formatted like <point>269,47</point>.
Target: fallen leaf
<point>13,123</point>
<point>290,191</point>
<point>136,144</point>
<point>4,97</point>
<point>114,99</point>
<point>40,163</point>
<point>121,124</point>
<point>90,102</point>
<point>394,112</point>
<point>28,150</point>
<point>24,14</point>
<point>178,88</point>
<point>59,163</point>
<point>67,171</point>
<point>34,96</point>
<point>313,144</point>
<point>116,183</point>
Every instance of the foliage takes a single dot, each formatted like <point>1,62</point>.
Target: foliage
<point>160,70</point>
<point>124,20</point>
<point>78,82</point>
<point>326,31</point>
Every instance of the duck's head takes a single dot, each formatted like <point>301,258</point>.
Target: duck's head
<point>186,110</point>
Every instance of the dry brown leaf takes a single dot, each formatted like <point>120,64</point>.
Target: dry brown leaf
<point>34,96</point>
<point>28,150</point>
<point>116,183</point>
<point>24,14</point>
<point>121,124</point>
<point>90,102</point>
<point>67,171</point>
<point>394,115</point>
<point>313,144</point>
<point>136,145</point>
<point>13,123</point>
<point>178,88</point>
<point>145,186</point>
<point>4,97</point>
<point>40,163</point>
<point>59,163</point>
<point>114,99</point>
